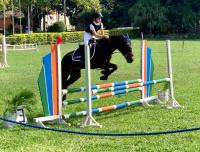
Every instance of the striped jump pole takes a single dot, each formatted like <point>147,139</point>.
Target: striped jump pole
<point>100,86</point>
<point>129,88</point>
<point>112,107</point>
<point>104,95</point>
<point>115,88</point>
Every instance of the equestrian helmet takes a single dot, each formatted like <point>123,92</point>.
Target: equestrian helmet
<point>97,15</point>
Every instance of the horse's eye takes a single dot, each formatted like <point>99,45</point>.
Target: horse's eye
<point>128,42</point>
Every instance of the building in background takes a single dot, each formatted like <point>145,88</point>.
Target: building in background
<point>9,23</point>
<point>53,17</point>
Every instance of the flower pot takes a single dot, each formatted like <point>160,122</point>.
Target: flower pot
<point>163,95</point>
<point>18,116</point>
<point>9,116</point>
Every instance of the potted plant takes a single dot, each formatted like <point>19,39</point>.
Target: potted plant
<point>25,100</point>
<point>163,94</point>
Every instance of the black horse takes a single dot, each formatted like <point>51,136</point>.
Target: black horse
<point>104,48</point>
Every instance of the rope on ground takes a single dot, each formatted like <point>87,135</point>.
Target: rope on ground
<point>105,134</point>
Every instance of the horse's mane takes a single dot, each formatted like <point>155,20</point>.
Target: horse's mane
<point>111,38</point>
<point>108,42</point>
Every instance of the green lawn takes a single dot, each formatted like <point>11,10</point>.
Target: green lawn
<point>23,73</point>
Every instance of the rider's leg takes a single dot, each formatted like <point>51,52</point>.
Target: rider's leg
<point>86,37</point>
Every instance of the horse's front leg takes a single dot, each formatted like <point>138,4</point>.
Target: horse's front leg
<point>107,70</point>
<point>74,75</point>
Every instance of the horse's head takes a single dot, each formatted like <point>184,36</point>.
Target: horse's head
<point>123,44</point>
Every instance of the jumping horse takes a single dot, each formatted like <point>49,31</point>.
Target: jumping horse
<point>104,48</point>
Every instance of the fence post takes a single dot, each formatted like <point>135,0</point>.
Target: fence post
<point>4,64</point>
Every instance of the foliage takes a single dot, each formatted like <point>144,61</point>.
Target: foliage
<point>149,15</point>
<point>4,2</point>
<point>83,19</point>
<point>130,32</point>
<point>43,38</point>
<point>152,16</point>
<point>57,27</point>
<point>116,13</point>
<point>88,4</point>
<point>183,16</point>
<point>85,10</point>
<point>107,5</point>
<point>25,98</point>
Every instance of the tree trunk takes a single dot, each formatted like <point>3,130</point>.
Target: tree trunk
<point>44,27</point>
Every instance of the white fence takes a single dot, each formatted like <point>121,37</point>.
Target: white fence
<point>9,47</point>
<point>21,47</point>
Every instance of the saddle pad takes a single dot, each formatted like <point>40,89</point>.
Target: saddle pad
<point>78,55</point>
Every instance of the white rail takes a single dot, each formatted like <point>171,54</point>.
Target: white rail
<point>21,47</point>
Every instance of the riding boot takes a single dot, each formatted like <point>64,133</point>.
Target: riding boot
<point>82,51</point>
<point>82,60</point>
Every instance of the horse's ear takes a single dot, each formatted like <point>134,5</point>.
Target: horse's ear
<point>126,36</point>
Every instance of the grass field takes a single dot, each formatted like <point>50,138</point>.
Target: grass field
<point>23,73</point>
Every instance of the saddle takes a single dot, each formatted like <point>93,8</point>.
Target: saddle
<point>79,55</point>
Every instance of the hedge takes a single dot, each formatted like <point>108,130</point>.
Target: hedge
<point>46,38</point>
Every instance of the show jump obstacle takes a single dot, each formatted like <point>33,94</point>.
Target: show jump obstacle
<point>51,90</point>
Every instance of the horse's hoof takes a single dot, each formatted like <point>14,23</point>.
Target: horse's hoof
<point>103,78</point>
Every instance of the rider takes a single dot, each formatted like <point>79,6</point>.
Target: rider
<point>95,26</point>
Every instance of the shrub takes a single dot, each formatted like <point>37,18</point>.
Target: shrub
<point>57,27</point>
<point>46,38</point>
<point>130,32</point>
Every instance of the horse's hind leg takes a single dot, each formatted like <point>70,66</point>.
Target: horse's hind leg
<point>108,70</point>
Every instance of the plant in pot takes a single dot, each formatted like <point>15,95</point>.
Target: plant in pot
<point>163,94</point>
<point>24,101</point>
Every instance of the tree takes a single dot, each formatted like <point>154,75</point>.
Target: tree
<point>88,4</point>
<point>4,2</point>
<point>183,15</point>
<point>107,9</point>
<point>39,9</point>
<point>108,5</point>
<point>149,16</point>
<point>80,11</point>
<point>115,12</point>
<point>75,9</point>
